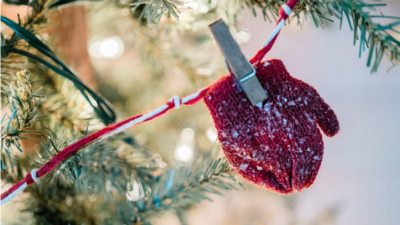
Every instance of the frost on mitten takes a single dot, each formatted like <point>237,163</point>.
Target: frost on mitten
<point>279,146</point>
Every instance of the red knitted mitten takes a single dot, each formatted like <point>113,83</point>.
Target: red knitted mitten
<point>278,147</point>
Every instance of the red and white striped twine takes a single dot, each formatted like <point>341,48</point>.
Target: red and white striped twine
<point>284,13</point>
<point>34,176</point>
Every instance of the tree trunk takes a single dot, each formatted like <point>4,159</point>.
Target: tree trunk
<point>70,35</point>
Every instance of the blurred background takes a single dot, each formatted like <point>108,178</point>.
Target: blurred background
<point>140,67</point>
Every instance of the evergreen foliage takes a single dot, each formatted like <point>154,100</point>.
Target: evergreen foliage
<point>118,181</point>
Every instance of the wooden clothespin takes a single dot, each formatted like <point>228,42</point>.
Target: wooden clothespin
<point>237,62</point>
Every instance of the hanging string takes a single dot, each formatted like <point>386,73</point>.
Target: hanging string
<point>284,13</point>
<point>174,102</point>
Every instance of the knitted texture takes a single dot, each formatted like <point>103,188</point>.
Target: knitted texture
<point>278,147</point>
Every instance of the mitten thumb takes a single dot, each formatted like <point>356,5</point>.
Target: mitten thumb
<point>326,118</point>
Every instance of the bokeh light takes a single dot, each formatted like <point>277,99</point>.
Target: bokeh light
<point>112,47</point>
<point>185,145</point>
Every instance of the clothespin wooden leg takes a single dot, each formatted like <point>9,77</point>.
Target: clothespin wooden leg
<point>236,80</point>
<point>237,63</point>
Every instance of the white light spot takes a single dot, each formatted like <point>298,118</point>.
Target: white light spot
<point>198,7</point>
<point>94,49</point>
<point>187,134</point>
<point>184,153</point>
<point>212,134</point>
<point>109,48</point>
<point>136,192</point>
<point>185,145</point>
<point>112,47</point>
<point>243,36</point>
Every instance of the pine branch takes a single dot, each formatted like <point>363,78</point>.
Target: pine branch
<point>372,34</point>
<point>154,9</point>
<point>34,21</point>
<point>24,105</point>
<point>147,10</point>
<point>66,206</point>
<point>175,190</point>
<point>90,180</point>
<point>375,36</point>
<point>101,167</point>
<point>67,108</point>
